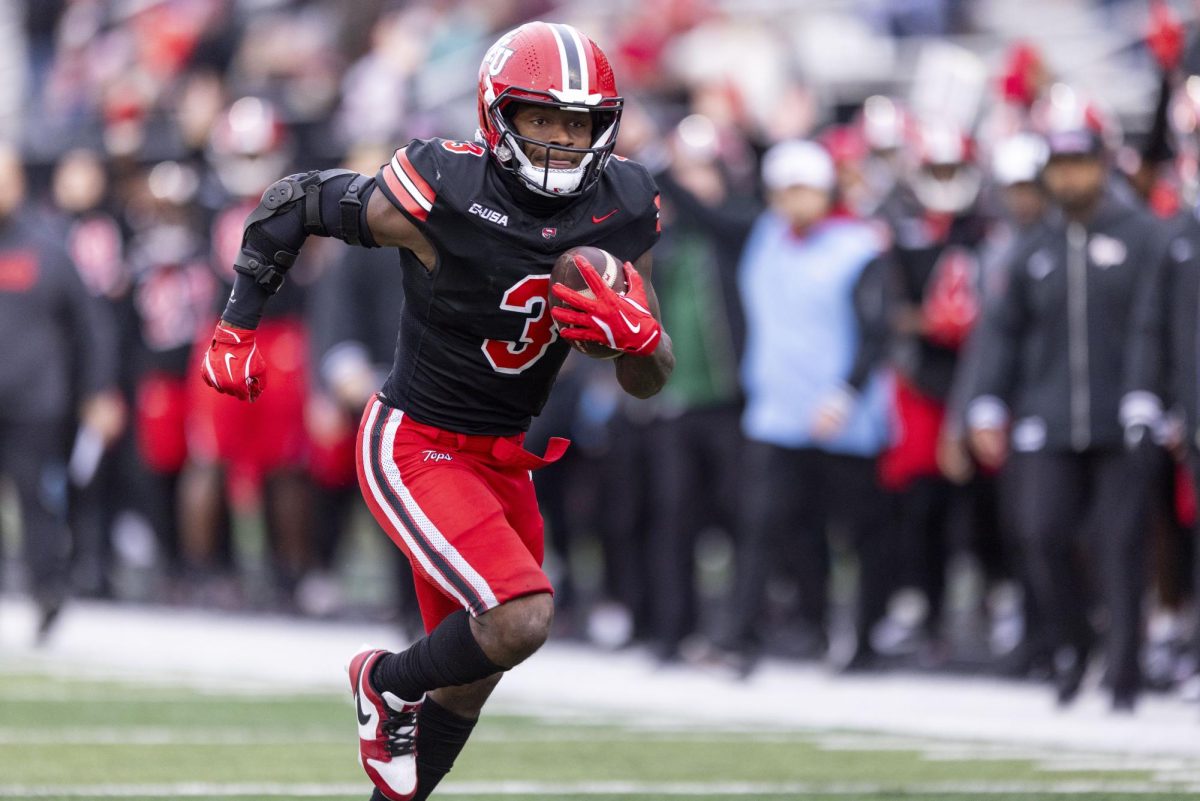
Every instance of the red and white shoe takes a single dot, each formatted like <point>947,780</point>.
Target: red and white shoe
<point>387,731</point>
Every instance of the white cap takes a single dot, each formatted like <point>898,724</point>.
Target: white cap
<point>1018,159</point>
<point>798,163</point>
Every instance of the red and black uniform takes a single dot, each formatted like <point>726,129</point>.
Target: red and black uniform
<point>173,295</point>
<point>440,457</point>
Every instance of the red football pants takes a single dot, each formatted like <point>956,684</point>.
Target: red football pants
<point>461,507</point>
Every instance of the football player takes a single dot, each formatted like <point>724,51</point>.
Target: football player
<point>440,459</point>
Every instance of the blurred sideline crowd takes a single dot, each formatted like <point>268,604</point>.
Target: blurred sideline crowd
<point>935,402</point>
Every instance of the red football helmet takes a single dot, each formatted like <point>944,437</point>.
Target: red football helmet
<point>552,65</point>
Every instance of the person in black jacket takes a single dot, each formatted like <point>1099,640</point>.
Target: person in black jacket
<point>1163,398</point>
<point>57,368</point>
<point>1052,362</point>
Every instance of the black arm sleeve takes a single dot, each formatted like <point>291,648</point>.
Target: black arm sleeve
<point>331,203</point>
<point>872,308</point>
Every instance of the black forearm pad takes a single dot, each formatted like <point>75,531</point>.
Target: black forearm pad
<point>246,302</point>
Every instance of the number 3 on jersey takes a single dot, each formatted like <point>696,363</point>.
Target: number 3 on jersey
<point>528,296</point>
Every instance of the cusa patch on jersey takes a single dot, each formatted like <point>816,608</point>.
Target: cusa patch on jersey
<point>491,215</point>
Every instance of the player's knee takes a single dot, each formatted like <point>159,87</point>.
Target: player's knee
<point>518,628</point>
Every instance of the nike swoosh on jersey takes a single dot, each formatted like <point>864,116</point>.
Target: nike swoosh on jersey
<point>596,219</point>
<point>632,327</point>
<point>228,369</point>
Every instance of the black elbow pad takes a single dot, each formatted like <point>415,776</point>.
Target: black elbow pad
<point>330,203</point>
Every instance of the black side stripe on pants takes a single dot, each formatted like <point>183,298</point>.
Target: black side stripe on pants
<point>447,569</point>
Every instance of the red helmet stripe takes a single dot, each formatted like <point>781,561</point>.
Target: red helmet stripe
<point>581,51</point>
<point>569,56</point>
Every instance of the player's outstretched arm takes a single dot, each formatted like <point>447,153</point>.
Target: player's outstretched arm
<point>643,376</point>
<point>334,203</point>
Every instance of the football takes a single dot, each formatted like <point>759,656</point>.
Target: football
<point>608,266</point>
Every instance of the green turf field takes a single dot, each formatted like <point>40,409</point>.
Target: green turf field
<point>93,740</point>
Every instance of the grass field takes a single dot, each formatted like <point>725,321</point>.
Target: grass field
<point>87,739</point>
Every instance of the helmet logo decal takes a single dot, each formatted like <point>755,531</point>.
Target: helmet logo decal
<point>500,53</point>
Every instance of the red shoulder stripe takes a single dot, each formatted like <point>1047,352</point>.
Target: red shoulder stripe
<point>420,183</point>
<point>401,185</point>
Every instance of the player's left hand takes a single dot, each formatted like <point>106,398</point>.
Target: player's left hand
<point>622,321</point>
<point>233,365</point>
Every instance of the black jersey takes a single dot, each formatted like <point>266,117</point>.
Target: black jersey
<point>477,351</point>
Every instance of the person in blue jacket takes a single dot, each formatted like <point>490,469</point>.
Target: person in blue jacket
<point>817,413</point>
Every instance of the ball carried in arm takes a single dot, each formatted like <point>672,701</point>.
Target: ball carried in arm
<point>566,271</point>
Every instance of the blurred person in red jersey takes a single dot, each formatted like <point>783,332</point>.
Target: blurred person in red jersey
<point>173,294</point>
<point>241,453</point>
<point>937,228</point>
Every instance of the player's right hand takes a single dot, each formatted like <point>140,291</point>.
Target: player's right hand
<point>233,365</point>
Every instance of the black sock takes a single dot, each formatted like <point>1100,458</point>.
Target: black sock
<point>448,657</point>
<point>441,735</point>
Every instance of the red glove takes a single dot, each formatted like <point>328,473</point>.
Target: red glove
<point>233,365</point>
<point>620,321</point>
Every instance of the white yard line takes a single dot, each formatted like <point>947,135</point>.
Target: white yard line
<point>154,736</point>
<point>263,657</point>
<point>550,789</point>
<point>187,736</point>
